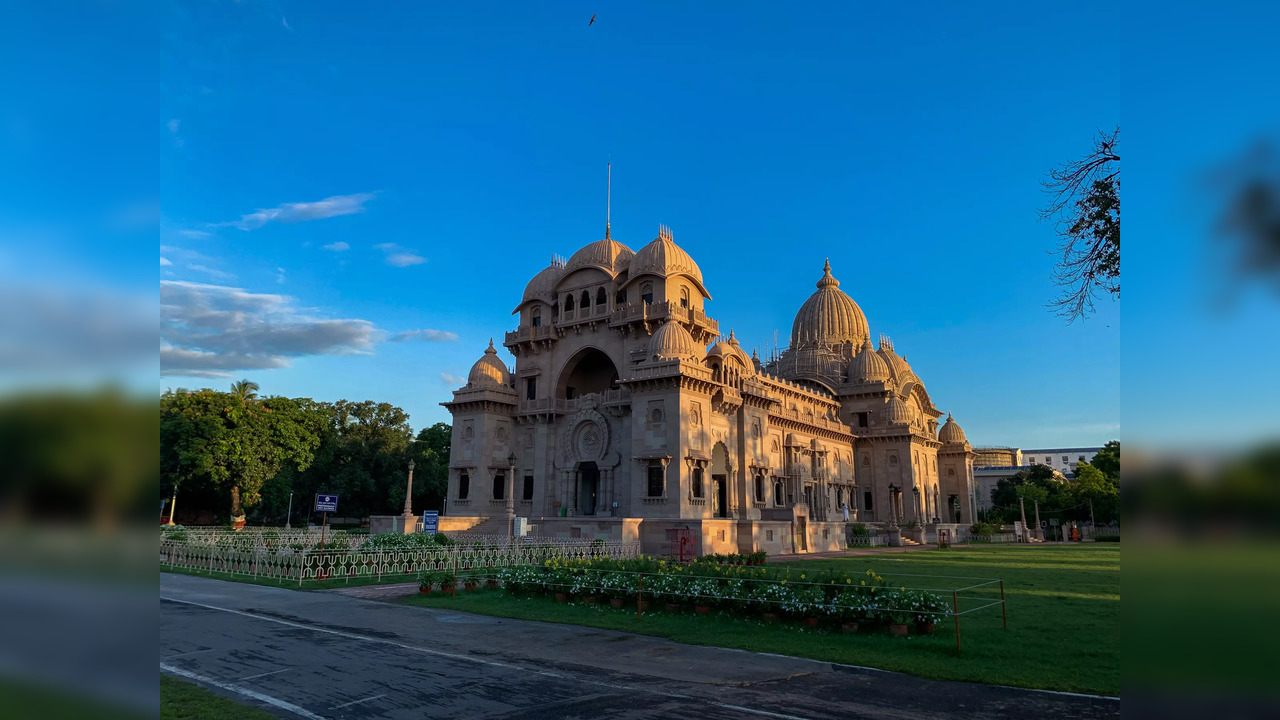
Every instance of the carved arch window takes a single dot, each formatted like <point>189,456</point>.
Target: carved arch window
<point>535,317</point>
<point>585,301</point>
<point>568,303</point>
<point>684,297</point>
<point>602,298</point>
<point>646,293</point>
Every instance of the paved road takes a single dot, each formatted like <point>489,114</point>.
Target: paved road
<point>326,655</point>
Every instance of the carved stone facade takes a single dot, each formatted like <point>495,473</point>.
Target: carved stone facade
<point>627,403</point>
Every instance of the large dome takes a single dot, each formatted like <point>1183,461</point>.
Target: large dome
<point>897,411</point>
<point>664,258</point>
<point>489,370</point>
<point>672,342</point>
<point>608,254</point>
<point>829,317</point>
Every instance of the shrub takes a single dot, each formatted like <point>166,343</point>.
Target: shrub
<point>1107,538</point>
<point>859,530</point>
<point>983,528</point>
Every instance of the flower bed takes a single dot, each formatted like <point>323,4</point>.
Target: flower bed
<point>828,598</point>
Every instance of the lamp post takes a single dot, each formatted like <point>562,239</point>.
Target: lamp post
<point>288,518</point>
<point>408,498</point>
<point>511,501</point>
<point>173,503</point>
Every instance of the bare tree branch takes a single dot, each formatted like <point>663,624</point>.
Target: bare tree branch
<point>1085,205</point>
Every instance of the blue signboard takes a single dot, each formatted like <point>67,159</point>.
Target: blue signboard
<point>327,503</point>
<point>430,522</point>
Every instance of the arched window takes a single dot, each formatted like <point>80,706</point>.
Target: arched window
<point>620,298</point>
<point>779,499</point>
<point>684,297</point>
<point>601,297</point>
<point>893,459</point>
<point>568,303</point>
<point>646,293</point>
<point>464,486</point>
<point>537,317</point>
<point>585,302</point>
<point>951,471</point>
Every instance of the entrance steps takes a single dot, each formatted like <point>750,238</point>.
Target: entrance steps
<point>489,526</point>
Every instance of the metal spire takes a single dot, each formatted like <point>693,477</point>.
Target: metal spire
<point>608,197</point>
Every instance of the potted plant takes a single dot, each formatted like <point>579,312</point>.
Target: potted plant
<point>898,620</point>
<point>491,580</point>
<point>469,583</point>
<point>446,581</point>
<point>424,583</point>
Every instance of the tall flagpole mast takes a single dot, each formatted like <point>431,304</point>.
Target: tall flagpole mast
<point>608,198</point>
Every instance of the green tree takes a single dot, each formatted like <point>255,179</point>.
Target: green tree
<point>245,390</point>
<point>1108,460</point>
<point>232,445</point>
<point>430,452</point>
<point>1085,204</point>
<point>1093,486</point>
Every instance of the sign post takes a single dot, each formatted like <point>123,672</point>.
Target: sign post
<point>325,504</point>
<point>430,521</point>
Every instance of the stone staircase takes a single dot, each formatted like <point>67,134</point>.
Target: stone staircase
<point>908,542</point>
<point>490,526</point>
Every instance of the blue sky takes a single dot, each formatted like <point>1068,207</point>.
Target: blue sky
<point>336,179</point>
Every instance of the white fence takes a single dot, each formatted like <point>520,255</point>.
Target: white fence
<point>310,565</point>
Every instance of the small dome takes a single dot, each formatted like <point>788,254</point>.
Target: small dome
<point>672,342</point>
<point>867,366</point>
<point>950,432</point>
<point>608,254</point>
<point>729,348</point>
<point>829,316</point>
<point>489,370</point>
<point>897,364</point>
<point>543,285</point>
<point>897,411</point>
<point>664,258</point>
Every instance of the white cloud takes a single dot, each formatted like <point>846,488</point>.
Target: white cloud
<point>211,272</point>
<point>280,275</point>
<point>451,379</point>
<point>425,334</point>
<point>206,330</point>
<point>338,246</point>
<point>405,259</point>
<point>302,211</point>
<point>174,124</point>
<point>164,262</point>
<point>195,234</point>
<point>397,256</point>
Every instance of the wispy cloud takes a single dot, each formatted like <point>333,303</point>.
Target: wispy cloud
<point>397,256</point>
<point>302,211</point>
<point>164,262</point>
<point>213,330</point>
<point>338,246</point>
<point>174,124</point>
<point>211,272</point>
<point>195,234</point>
<point>425,334</point>
<point>451,379</point>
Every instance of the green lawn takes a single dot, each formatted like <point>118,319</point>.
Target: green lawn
<point>183,701</point>
<point>1063,607</point>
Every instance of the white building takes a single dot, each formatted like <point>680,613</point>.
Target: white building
<point>1064,460</point>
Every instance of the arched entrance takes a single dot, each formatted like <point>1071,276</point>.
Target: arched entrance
<point>720,480</point>
<point>589,371</point>
<point>588,487</point>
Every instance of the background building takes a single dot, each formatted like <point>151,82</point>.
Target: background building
<point>1064,460</point>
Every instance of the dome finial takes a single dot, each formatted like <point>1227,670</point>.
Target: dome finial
<point>827,281</point>
<point>490,350</point>
<point>732,340</point>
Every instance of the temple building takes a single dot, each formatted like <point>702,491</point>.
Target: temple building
<point>629,415</point>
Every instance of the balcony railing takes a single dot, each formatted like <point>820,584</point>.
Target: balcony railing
<point>529,333</point>
<point>561,406</point>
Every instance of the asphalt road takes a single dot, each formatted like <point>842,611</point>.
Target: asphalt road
<point>324,655</point>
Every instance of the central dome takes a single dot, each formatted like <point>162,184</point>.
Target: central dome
<point>608,254</point>
<point>829,317</point>
<point>663,258</point>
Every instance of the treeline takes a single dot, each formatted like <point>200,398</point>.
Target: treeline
<point>1096,488</point>
<point>237,455</point>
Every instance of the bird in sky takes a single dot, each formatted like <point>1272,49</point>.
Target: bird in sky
<point>593,21</point>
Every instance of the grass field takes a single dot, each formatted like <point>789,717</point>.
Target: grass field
<point>183,701</point>
<point>1063,607</point>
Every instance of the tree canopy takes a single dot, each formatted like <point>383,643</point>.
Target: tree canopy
<point>233,451</point>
